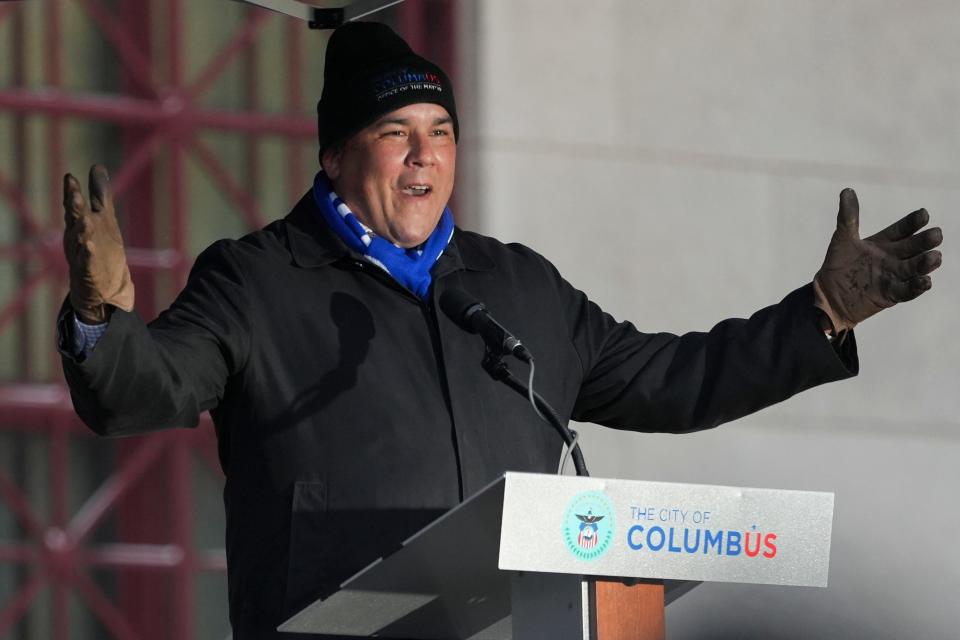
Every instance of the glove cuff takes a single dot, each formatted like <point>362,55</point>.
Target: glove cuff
<point>820,301</point>
<point>122,298</point>
<point>95,308</point>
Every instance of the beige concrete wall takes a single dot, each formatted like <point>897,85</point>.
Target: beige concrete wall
<point>680,162</point>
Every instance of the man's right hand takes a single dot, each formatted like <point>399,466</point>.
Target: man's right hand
<point>99,276</point>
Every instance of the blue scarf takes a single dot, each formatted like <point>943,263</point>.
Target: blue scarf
<point>409,267</point>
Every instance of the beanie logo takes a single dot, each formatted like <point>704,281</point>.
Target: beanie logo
<point>396,82</point>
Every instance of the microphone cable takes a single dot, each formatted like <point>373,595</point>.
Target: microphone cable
<point>567,448</point>
<point>566,452</point>
<point>533,403</point>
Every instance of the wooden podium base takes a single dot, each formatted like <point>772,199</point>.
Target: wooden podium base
<point>622,612</point>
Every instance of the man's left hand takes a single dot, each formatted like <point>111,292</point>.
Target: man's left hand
<point>860,277</point>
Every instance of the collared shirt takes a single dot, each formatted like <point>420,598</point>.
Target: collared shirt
<point>85,336</point>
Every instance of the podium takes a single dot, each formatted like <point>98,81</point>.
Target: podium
<point>564,557</point>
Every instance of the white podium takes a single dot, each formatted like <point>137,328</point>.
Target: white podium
<point>564,557</point>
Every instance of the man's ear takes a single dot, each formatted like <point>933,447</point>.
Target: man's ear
<point>330,161</point>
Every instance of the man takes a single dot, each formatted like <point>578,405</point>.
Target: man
<point>349,412</point>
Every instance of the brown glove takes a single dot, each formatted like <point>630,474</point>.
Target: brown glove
<point>860,277</point>
<point>99,275</point>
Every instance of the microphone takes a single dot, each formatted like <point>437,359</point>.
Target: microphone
<point>470,315</point>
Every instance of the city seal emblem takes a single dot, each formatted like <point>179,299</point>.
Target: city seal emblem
<point>588,525</point>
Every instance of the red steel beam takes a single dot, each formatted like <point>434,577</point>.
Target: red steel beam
<point>170,112</point>
<point>142,556</point>
<point>7,10</point>
<point>138,66</point>
<point>31,408</point>
<point>20,506</point>
<point>205,446</point>
<point>257,123</point>
<point>178,153</point>
<point>412,25</point>
<point>18,553</point>
<point>111,617</point>
<point>53,75</point>
<point>153,259</point>
<point>58,470</point>
<point>120,555</point>
<point>240,196</point>
<point>150,557</point>
<point>296,179</point>
<point>21,209</point>
<point>120,110</point>
<point>33,421</point>
<point>178,213</point>
<point>136,161</point>
<point>251,102</point>
<point>185,571</point>
<point>212,561</point>
<point>181,601</point>
<point>175,49</point>
<point>22,154</point>
<point>19,253</point>
<point>226,55</point>
<point>19,604</point>
<point>38,399</point>
<point>18,302</point>
<point>106,497</point>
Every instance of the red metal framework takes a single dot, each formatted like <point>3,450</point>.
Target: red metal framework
<point>126,550</point>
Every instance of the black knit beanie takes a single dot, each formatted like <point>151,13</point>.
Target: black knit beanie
<point>370,71</point>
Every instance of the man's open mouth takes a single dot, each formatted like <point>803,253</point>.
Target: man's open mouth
<point>417,189</point>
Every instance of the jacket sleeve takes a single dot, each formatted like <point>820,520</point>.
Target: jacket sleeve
<point>140,378</point>
<point>668,383</point>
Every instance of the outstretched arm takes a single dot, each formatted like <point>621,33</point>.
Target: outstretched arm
<point>142,378</point>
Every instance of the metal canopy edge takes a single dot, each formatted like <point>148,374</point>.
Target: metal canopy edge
<point>324,15</point>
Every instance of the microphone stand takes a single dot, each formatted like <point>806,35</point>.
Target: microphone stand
<point>494,365</point>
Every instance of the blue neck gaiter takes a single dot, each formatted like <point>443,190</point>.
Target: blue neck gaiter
<point>409,267</point>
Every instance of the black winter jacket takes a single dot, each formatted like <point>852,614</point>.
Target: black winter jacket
<point>349,413</point>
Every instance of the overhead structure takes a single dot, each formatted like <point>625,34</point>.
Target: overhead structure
<point>324,15</point>
<point>123,538</point>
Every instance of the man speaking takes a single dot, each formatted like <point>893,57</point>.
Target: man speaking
<point>349,411</point>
